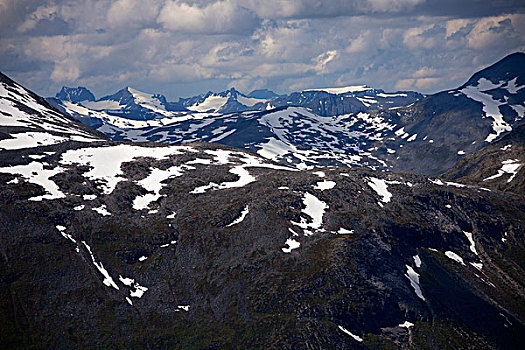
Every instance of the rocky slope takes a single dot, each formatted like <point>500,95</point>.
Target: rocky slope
<point>496,166</point>
<point>142,245</point>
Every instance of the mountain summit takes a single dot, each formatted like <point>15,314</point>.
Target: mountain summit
<point>76,95</point>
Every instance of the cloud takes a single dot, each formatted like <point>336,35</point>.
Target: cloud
<point>65,72</point>
<point>490,31</point>
<point>424,72</point>
<point>361,43</point>
<point>455,25</point>
<point>327,8</point>
<point>421,37</point>
<point>221,17</point>
<point>196,45</point>
<point>44,12</point>
<point>169,71</point>
<point>132,13</point>
<point>417,84</point>
<point>322,60</point>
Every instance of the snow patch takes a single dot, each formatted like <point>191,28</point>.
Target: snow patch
<point>34,172</point>
<point>344,231</point>
<point>244,212</point>
<point>343,90</point>
<point>454,256</point>
<point>381,188</point>
<point>108,281</point>
<point>153,182</point>
<point>406,324</point>
<point>490,106</point>
<point>102,210</point>
<point>105,162</point>
<point>417,261</point>
<point>471,240</point>
<point>292,244</point>
<point>324,185</point>
<point>314,208</point>
<point>356,337</point>
<point>510,166</point>
<point>413,277</point>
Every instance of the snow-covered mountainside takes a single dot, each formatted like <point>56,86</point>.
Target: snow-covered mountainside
<point>157,246</point>
<point>344,100</point>
<point>223,102</point>
<point>28,121</point>
<point>294,135</point>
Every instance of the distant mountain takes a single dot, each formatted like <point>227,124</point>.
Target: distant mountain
<point>202,246</point>
<point>223,102</point>
<point>351,99</point>
<point>324,102</point>
<point>127,103</point>
<point>76,95</point>
<point>263,94</point>
<point>133,104</point>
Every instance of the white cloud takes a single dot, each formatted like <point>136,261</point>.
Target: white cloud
<point>455,25</point>
<point>326,8</point>
<point>420,37</point>
<point>65,72</point>
<point>491,31</point>
<point>424,72</point>
<point>171,71</point>
<point>132,13</point>
<point>417,84</point>
<point>220,17</point>
<point>322,60</point>
<point>393,5</point>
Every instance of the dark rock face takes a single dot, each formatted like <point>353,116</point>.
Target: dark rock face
<point>142,245</point>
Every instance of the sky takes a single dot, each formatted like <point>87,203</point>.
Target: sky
<point>182,48</point>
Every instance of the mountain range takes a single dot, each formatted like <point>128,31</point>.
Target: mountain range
<point>133,104</point>
<point>417,242</point>
<point>426,136</point>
